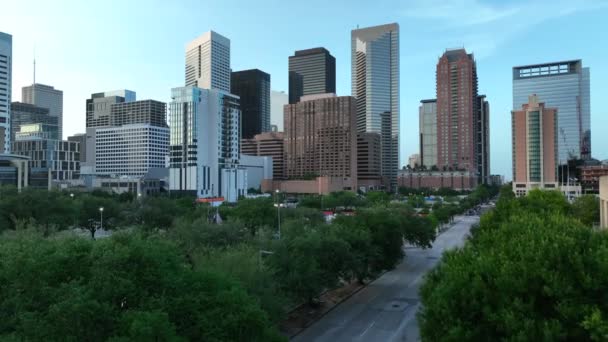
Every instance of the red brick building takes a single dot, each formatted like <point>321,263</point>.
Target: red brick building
<point>590,177</point>
<point>463,139</point>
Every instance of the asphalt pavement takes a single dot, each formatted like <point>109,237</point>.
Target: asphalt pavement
<point>386,309</point>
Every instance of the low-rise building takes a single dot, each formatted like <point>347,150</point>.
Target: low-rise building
<point>257,168</point>
<point>457,180</point>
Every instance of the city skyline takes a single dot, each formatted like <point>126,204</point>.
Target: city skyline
<point>153,74</point>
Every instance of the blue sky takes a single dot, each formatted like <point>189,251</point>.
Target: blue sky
<point>84,47</point>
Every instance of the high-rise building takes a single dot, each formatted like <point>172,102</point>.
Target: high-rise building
<point>6,79</point>
<point>204,143</point>
<point>253,88</point>
<point>462,117</point>
<point>46,97</point>
<point>139,112</point>
<point>311,71</point>
<point>375,85</point>
<point>456,106</point>
<point>59,158</point>
<point>321,138</point>
<point>128,150</point>
<point>534,147</point>
<point>278,100</point>
<point>268,144</point>
<point>565,86</point>
<point>369,161</point>
<point>26,114</point>
<point>208,62</point>
<point>99,106</point>
<point>428,133</point>
<point>81,139</point>
<point>482,139</point>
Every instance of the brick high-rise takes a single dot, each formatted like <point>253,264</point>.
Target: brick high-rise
<point>462,116</point>
<point>321,138</point>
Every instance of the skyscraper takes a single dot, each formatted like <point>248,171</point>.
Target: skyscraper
<point>46,97</point>
<point>462,117</point>
<point>99,106</point>
<point>27,114</point>
<point>311,71</point>
<point>428,133</point>
<point>6,79</point>
<point>208,62</point>
<point>375,85</point>
<point>253,87</point>
<point>321,138</point>
<point>534,134</point>
<point>456,106</point>
<point>565,86</point>
<point>278,99</point>
<point>204,143</point>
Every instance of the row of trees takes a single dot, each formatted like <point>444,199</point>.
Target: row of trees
<point>169,273</point>
<point>532,271</point>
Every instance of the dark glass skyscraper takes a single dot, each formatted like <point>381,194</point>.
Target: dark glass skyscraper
<point>253,87</point>
<point>311,71</point>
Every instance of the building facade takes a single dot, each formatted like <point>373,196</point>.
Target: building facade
<point>414,161</point>
<point>534,133</point>
<point>139,112</point>
<point>59,157</point>
<point>311,71</point>
<point>369,161</point>
<point>457,180</point>
<point>253,89</point>
<point>269,144</point>
<point>204,143</point>
<point>27,114</point>
<point>456,105</point>
<point>99,106</point>
<point>566,87</point>
<point>482,139</point>
<point>278,100</point>
<point>208,62</point>
<point>590,177</point>
<point>6,84</point>
<point>428,133</point>
<point>45,96</point>
<point>321,138</point>
<point>128,150</point>
<point>257,169</point>
<point>81,139</point>
<point>375,85</point>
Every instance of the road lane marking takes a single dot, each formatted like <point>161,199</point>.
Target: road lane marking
<point>364,331</point>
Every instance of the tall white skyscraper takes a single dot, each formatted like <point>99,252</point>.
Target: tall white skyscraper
<point>565,86</point>
<point>204,143</point>
<point>375,84</point>
<point>46,96</point>
<point>6,75</point>
<point>208,62</point>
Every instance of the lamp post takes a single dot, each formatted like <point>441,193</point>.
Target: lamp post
<point>278,205</point>
<point>72,197</point>
<point>101,217</point>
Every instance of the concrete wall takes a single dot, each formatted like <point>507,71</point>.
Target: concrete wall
<point>320,185</point>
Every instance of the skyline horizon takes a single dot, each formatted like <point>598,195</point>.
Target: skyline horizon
<point>74,111</point>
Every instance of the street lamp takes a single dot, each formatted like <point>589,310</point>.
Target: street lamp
<point>278,205</point>
<point>101,216</point>
<point>72,195</point>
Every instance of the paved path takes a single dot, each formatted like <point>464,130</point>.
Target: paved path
<point>386,309</point>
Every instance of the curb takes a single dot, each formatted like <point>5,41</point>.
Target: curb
<point>336,305</point>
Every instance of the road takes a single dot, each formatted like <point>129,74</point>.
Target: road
<point>386,309</point>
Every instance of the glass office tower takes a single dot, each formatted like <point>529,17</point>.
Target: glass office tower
<point>564,86</point>
<point>375,84</point>
<point>6,55</point>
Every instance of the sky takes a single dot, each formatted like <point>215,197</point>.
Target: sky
<point>83,47</point>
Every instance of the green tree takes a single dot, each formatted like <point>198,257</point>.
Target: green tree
<point>587,209</point>
<point>533,275</point>
<point>126,287</point>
